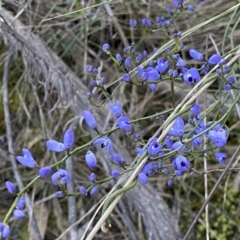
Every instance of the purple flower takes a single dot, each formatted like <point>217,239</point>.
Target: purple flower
<point>123,123</point>
<point>91,122</point>
<point>195,110</point>
<point>219,138</point>
<point>133,23</point>
<point>104,141</point>
<point>221,157</point>
<point>91,160</point>
<point>21,203</point>
<point>139,58</point>
<point>6,231</point>
<point>83,190</point>
<point>142,178</point>
<point>59,194</point>
<point>92,177</point>
<point>154,148</point>
<point>27,159</point>
<point>117,159</point>
<point>115,173</point>
<point>116,109</point>
<point>126,77</point>
<point>105,47</point>
<point>10,187</point>
<point>182,163</point>
<point>192,75</point>
<point>44,171</point>
<point>214,59</point>
<point>61,176</point>
<point>177,129</point>
<point>18,214</point>
<point>195,54</point>
<point>94,190</point>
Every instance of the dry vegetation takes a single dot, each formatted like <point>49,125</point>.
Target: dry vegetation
<point>50,43</point>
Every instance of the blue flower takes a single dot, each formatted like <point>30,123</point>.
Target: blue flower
<point>104,141</point>
<point>190,8</point>
<point>148,169</point>
<point>214,59</point>
<point>192,75</point>
<point>94,190</point>
<point>231,79</point>
<point>18,214</point>
<point>89,68</point>
<point>27,159</point>
<point>170,182</point>
<point>61,176</point>
<point>116,109</point>
<point>178,145</point>
<point>5,231</point>
<point>182,164</point>
<point>119,58</point>
<point>10,187</point>
<point>221,157</point>
<point>126,77</point>
<point>91,122</point>
<point>153,87</point>
<point>123,123</point>
<point>219,138</point>
<point>146,22</point>
<point>152,74</point>
<point>168,142</point>
<point>92,177</point>
<point>195,54</point>
<point>21,203</point>
<point>44,171</point>
<point>133,23</point>
<point>68,140</point>
<point>154,148</point>
<point>117,159</point>
<point>197,142</point>
<point>166,171</point>
<point>59,194</point>
<point>83,190</point>
<point>127,63</point>
<point>195,109</point>
<point>161,65</point>
<point>140,151</point>
<point>105,47</point>
<point>177,129</point>
<point>115,173</point>
<point>227,87</point>
<point>91,160</point>
<point>142,178</point>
